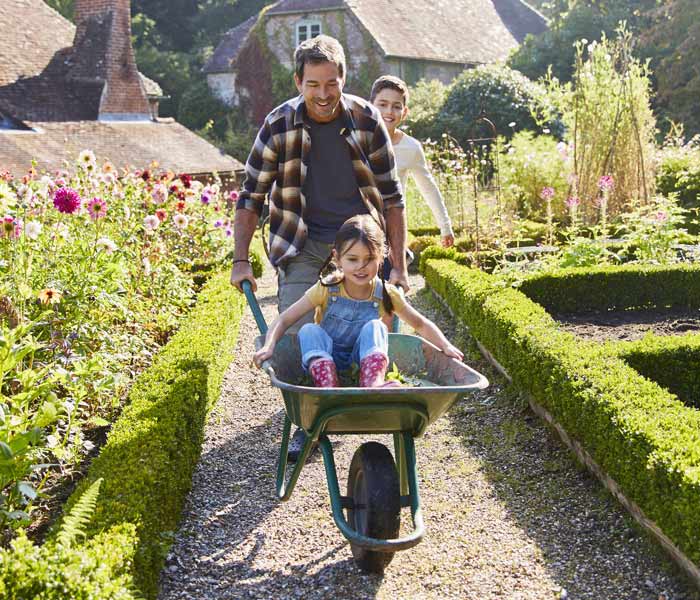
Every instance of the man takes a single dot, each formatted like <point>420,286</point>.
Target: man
<point>323,157</point>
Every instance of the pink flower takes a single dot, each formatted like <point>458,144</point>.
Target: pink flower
<point>97,208</point>
<point>572,202</point>
<point>11,227</point>
<point>66,200</point>
<point>606,183</point>
<point>229,232</point>
<point>233,196</point>
<point>159,193</point>
<point>151,222</point>
<point>218,223</point>
<point>661,216</point>
<point>547,193</point>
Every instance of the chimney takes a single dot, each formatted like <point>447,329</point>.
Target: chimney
<point>102,55</point>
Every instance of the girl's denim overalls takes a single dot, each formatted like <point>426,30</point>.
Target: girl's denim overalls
<point>349,330</point>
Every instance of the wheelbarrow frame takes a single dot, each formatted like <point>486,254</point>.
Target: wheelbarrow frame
<point>414,419</point>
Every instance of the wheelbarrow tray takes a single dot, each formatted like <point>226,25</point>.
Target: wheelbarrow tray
<point>375,410</point>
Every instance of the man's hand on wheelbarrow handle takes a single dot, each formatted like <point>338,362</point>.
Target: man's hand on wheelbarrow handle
<point>242,270</point>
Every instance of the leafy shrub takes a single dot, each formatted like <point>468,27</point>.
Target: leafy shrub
<point>426,99</point>
<point>98,570</point>
<point>152,450</point>
<point>615,288</point>
<point>507,97</point>
<point>639,434</point>
<point>679,172</point>
<point>529,164</point>
<point>609,123</point>
<point>671,361</point>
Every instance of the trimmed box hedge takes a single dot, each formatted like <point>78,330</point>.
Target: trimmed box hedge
<point>616,288</point>
<point>146,466</point>
<point>671,361</point>
<point>640,434</point>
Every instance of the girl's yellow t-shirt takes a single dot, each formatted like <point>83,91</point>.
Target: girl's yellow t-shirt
<point>318,296</point>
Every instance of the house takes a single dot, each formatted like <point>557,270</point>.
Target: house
<point>65,88</point>
<point>413,39</point>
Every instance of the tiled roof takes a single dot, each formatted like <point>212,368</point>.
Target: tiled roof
<point>32,32</point>
<point>462,31</point>
<point>220,62</point>
<point>456,31</point>
<point>133,145</point>
<point>305,5</point>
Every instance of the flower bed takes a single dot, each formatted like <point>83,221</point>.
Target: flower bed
<point>146,468</point>
<point>642,438</point>
<point>97,270</point>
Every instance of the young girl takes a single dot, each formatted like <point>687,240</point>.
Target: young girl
<point>353,307</point>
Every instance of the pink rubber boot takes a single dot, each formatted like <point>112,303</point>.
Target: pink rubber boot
<point>373,371</point>
<point>323,372</point>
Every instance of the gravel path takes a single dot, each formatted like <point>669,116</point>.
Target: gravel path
<point>509,514</point>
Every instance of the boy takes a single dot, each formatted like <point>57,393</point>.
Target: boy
<point>390,95</point>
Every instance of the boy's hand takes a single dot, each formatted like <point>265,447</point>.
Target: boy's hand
<point>262,355</point>
<point>453,351</point>
<point>448,240</point>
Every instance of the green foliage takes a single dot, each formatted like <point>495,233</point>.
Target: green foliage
<point>28,407</point>
<point>615,288</point>
<point>639,434</point>
<point>673,43</point>
<point>530,163</point>
<point>65,7</point>
<point>152,449</point>
<point>511,101</point>
<point>654,229</point>
<point>425,101</point>
<point>98,570</point>
<point>609,123</point>
<point>74,523</point>
<point>671,361</point>
<point>199,108</point>
<point>678,172</point>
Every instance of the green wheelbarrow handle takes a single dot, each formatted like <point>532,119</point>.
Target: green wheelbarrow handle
<point>247,288</point>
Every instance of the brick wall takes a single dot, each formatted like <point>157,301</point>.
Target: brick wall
<point>123,95</point>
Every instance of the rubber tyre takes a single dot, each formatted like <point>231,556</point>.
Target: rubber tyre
<point>373,484</point>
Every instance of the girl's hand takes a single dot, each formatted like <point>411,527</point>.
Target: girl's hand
<point>453,351</point>
<point>262,355</point>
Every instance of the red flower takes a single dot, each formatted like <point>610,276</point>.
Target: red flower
<point>180,205</point>
<point>66,200</point>
<point>146,175</point>
<point>161,214</point>
<point>186,180</point>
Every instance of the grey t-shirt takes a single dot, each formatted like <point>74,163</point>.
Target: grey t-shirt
<point>330,188</point>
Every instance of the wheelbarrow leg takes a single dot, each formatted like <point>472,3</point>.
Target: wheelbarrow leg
<point>286,487</point>
<point>400,457</point>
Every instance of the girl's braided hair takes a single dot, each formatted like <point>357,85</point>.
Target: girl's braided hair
<point>366,230</point>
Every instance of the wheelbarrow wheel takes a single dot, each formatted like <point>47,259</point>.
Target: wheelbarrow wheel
<point>373,487</point>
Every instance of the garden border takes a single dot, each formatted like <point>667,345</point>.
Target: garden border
<point>152,449</point>
<point>638,434</point>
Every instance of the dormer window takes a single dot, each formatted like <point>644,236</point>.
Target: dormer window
<point>307,30</point>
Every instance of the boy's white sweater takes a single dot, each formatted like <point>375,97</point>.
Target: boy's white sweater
<point>410,158</point>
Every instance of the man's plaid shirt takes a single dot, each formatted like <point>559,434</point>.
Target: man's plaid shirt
<point>279,161</point>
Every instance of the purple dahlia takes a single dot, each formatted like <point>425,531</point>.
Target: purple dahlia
<point>66,200</point>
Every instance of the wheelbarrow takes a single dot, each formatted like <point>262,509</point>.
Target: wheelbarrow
<point>379,485</point>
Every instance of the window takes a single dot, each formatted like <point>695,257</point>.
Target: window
<point>307,30</point>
